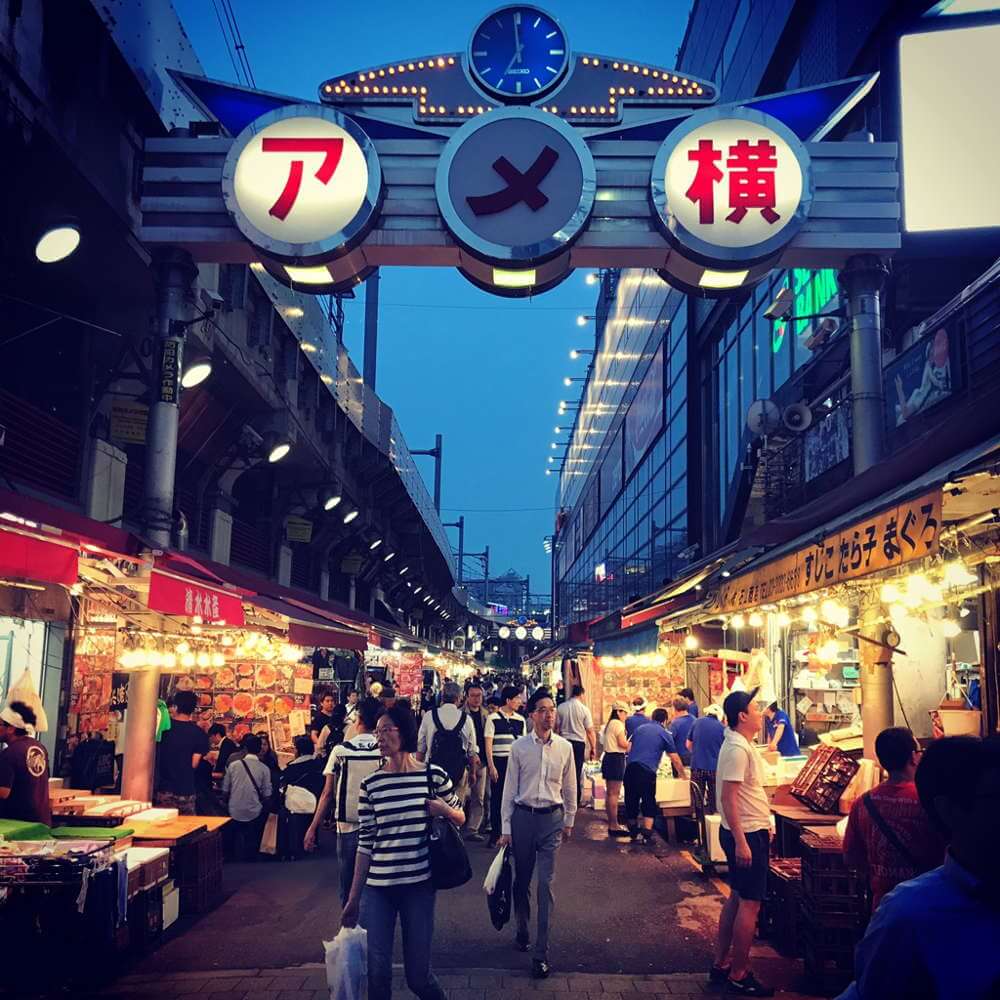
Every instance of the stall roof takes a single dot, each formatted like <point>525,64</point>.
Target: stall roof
<point>310,627</point>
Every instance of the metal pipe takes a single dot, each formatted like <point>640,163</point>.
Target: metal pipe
<point>862,280</point>
<point>371,329</point>
<point>174,273</point>
<point>437,473</point>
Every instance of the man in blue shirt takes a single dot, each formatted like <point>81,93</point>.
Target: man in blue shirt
<point>649,744</point>
<point>680,728</point>
<point>638,717</point>
<point>920,926</point>
<point>780,735</point>
<point>693,710</point>
<point>705,742</point>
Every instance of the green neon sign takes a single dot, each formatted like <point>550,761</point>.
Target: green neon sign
<point>812,291</point>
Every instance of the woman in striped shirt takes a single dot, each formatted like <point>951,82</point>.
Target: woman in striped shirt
<point>393,864</point>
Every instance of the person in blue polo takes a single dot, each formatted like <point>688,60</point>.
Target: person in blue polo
<point>780,735</point>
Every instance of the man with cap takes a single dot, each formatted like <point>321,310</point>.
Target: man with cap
<point>745,836</point>
<point>24,768</point>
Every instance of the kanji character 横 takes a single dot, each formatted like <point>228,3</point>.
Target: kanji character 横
<point>751,179</point>
<point>702,189</point>
<point>890,541</point>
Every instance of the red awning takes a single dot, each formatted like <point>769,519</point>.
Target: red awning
<point>173,594</point>
<point>25,556</point>
<point>310,627</point>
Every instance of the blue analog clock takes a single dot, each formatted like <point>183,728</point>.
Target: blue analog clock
<point>518,53</point>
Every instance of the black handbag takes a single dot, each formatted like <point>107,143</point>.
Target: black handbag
<point>499,900</point>
<point>449,859</point>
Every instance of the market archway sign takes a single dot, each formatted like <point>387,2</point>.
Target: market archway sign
<point>517,175</point>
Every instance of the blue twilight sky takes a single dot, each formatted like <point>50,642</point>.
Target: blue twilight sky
<point>484,372</point>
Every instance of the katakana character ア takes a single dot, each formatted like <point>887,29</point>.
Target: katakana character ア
<point>188,601</point>
<point>702,189</point>
<point>332,149</point>
<point>751,179</point>
<point>890,541</point>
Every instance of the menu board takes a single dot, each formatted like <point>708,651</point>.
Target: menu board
<point>93,670</point>
<point>251,695</point>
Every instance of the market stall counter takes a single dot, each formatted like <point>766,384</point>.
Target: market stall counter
<point>791,817</point>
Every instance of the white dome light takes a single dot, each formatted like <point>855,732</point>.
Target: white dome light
<point>57,243</point>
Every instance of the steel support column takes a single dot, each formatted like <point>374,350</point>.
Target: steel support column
<point>862,280</point>
<point>371,330</point>
<point>174,274</point>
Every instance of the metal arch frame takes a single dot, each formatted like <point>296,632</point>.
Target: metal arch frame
<point>506,99</point>
<point>523,255</point>
<point>334,246</point>
<point>694,247</point>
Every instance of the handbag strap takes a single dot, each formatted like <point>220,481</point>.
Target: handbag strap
<point>256,788</point>
<point>887,831</point>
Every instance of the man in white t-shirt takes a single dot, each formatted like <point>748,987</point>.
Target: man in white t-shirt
<point>575,723</point>
<point>745,837</point>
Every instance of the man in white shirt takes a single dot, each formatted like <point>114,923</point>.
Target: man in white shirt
<point>537,813</point>
<point>247,791</point>
<point>349,763</point>
<point>575,723</point>
<point>745,837</point>
<point>442,721</point>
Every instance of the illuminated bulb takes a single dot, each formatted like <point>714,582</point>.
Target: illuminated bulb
<point>154,658</point>
<point>291,654</point>
<point>950,628</point>
<point>738,621</point>
<point>218,660</point>
<point>690,642</point>
<point>169,661</point>
<point>756,620</point>
<point>227,640</point>
<point>810,615</point>
<point>890,593</point>
<point>956,574</point>
<point>898,612</point>
<point>964,613</point>
<point>203,660</point>
<point>196,630</point>
<point>188,660</point>
<point>829,652</point>
<point>783,619</point>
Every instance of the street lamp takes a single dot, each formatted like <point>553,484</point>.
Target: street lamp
<point>276,447</point>
<point>351,515</point>
<point>583,320</point>
<point>57,242</point>
<point>577,351</point>
<point>331,498</point>
<point>567,381</point>
<point>592,278</point>
<point>196,371</point>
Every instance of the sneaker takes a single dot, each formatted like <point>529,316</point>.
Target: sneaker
<point>522,942</point>
<point>718,975</point>
<point>475,838</point>
<point>539,970</point>
<point>749,986</point>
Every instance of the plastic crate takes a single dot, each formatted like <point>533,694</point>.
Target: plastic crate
<point>846,884</point>
<point>821,854</point>
<point>198,859</point>
<point>822,780</point>
<point>202,896</point>
<point>781,915</point>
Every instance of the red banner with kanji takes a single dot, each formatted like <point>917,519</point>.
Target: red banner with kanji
<point>177,596</point>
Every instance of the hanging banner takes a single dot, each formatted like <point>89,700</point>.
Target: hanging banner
<point>172,595</point>
<point>408,674</point>
<point>891,538</point>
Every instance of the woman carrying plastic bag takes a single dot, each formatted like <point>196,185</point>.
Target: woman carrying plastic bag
<point>347,963</point>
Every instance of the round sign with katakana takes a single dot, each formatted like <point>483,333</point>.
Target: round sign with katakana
<point>731,186</point>
<point>516,186</point>
<point>303,184</point>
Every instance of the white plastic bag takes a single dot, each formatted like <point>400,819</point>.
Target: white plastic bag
<point>347,963</point>
<point>493,872</point>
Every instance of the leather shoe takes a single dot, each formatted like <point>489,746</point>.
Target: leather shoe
<point>539,970</point>
<point>522,943</point>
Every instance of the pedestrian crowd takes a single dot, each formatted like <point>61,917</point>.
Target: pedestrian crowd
<point>508,769</point>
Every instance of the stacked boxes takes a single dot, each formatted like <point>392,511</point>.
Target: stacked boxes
<point>197,871</point>
<point>822,780</point>
<point>834,910</point>
<point>781,918</point>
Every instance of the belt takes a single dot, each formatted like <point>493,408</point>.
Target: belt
<point>538,810</point>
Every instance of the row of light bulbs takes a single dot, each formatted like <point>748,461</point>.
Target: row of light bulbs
<point>635,660</point>
<point>251,645</point>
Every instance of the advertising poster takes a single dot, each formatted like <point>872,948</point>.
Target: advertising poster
<point>408,674</point>
<point>920,378</point>
<point>645,415</point>
<point>827,443</point>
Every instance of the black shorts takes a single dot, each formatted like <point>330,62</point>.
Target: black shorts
<point>613,767</point>
<point>749,882</point>
<point>640,793</point>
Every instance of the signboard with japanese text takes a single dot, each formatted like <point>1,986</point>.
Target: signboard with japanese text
<point>174,596</point>
<point>128,421</point>
<point>170,370</point>
<point>303,184</point>
<point>731,186</point>
<point>891,538</point>
<point>644,419</point>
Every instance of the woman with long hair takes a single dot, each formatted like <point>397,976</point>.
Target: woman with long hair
<point>393,871</point>
<point>616,746</point>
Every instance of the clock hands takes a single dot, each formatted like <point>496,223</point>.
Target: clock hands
<point>518,49</point>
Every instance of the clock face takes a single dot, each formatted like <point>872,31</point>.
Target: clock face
<point>518,52</point>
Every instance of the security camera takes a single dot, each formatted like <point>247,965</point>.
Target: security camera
<point>211,300</point>
<point>781,307</point>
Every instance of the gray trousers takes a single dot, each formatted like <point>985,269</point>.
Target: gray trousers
<point>535,838</point>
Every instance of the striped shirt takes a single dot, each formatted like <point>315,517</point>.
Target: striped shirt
<point>395,822</point>
<point>503,730</point>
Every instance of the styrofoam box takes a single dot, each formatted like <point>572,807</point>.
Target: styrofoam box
<point>157,815</point>
<point>171,905</point>
<point>673,791</point>
<point>713,824</point>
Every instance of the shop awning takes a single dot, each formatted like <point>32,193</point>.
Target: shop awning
<point>635,641</point>
<point>311,627</point>
<point>27,557</point>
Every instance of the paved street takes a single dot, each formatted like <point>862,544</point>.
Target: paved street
<point>264,941</point>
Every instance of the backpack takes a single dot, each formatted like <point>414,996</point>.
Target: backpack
<point>448,748</point>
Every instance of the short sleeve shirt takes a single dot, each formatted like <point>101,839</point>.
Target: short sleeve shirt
<point>24,769</point>
<point>649,744</point>
<point>179,744</point>
<point>738,761</point>
<point>574,720</point>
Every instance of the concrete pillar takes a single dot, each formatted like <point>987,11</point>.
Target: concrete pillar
<point>876,679</point>
<point>285,565</point>
<point>105,482</point>
<point>862,280</point>
<point>220,535</point>
<point>140,735</point>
